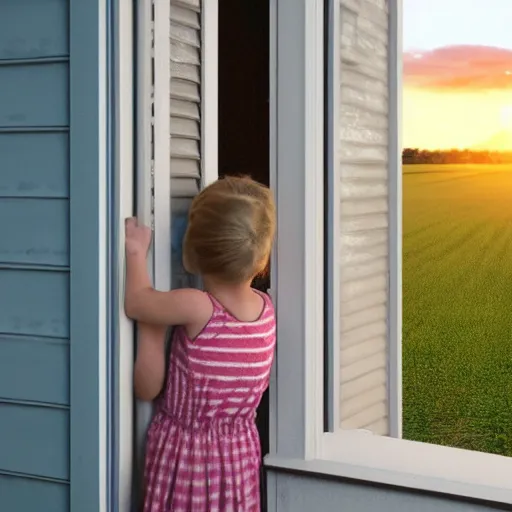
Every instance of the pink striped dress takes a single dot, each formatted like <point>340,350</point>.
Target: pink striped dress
<point>203,450</point>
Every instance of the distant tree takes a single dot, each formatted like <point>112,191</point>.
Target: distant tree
<point>412,156</point>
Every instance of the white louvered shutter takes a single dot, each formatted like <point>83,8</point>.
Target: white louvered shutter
<point>185,116</point>
<point>363,154</point>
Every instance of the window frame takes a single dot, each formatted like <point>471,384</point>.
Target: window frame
<point>209,91</point>
<point>298,440</point>
<point>142,411</point>
<point>123,349</point>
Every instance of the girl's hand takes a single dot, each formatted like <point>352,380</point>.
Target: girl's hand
<point>137,237</point>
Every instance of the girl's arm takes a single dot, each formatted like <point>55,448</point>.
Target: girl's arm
<point>145,304</point>
<point>149,372</point>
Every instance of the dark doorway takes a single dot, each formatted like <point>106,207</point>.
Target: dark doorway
<point>244,116</point>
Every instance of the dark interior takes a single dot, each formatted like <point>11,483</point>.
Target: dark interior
<point>244,116</point>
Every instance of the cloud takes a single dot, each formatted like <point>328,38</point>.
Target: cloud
<point>462,68</point>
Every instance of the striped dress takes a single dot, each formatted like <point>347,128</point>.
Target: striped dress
<point>203,450</point>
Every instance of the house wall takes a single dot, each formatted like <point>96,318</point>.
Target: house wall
<point>300,493</point>
<point>363,166</point>
<point>34,256</point>
<point>55,261</point>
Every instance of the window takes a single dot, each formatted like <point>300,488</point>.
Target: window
<point>358,111</point>
<point>457,140</point>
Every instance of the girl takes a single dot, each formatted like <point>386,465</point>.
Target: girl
<point>203,451</point>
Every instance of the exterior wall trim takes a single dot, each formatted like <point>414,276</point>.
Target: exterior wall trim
<point>90,171</point>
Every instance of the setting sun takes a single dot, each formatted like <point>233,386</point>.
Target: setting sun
<point>506,117</point>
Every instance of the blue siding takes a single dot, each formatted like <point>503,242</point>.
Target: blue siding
<point>34,256</point>
<point>34,29</point>
<point>34,440</point>
<point>27,494</point>
<point>34,164</point>
<point>32,243</point>
<point>34,95</point>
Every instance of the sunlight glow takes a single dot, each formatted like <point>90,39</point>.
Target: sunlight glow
<point>506,117</point>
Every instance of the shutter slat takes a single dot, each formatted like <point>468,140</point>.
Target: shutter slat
<point>363,302</point>
<point>364,256</point>
<point>356,208</point>
<point>189,72</point>
<point>184,148</point>
<point>360,385</point>
<point>185,109</point>
<point>356,289</point>
<point>358,271</point>
<point>379,427</point>
<point>183,90</point>
<point>183,168</point>
<point>364,401</point>
<point>368,416</point>
<point>364,223</point>
<point>185,128</point>
<point>194,5</point>
<point>363,189</point>
<point>185,53</point>
<point>358,319</point>
<point>183,34</point>
<point>364,333</point>
<point>184,16</point>
<point>361,351</point>
<point>184,187</point>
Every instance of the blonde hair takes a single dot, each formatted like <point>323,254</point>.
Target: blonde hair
<point>230,231</point>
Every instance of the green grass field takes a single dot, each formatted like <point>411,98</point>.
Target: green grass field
<point>457,300</point>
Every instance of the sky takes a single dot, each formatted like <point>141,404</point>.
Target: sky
<point>457,74</point>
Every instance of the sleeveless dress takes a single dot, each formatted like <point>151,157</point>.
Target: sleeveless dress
<point>203,450</point>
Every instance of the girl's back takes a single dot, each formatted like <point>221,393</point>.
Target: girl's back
<point>207,416</point>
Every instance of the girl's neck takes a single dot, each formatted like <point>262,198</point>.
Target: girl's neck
<point>215,287</point>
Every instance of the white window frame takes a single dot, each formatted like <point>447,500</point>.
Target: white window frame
<point>143,184</point>
<point>209,91</point>
<point>123,97</point>
<point>153,176</point>
<point>299,442</point>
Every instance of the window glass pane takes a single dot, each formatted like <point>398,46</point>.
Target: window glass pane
<point>457,231</point>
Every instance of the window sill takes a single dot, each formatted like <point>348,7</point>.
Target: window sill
<point>408,464</point>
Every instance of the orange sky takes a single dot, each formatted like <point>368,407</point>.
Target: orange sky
<point>458,97</point>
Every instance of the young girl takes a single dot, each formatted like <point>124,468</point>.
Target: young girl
<point>203,451</point>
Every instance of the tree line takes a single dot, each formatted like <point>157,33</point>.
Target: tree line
<point>455,156</point>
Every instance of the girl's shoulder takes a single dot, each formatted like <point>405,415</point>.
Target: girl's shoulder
<point>203,309</point>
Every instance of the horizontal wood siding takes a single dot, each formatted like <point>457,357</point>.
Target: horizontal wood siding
<point>34,256</point>
<point>185,119</point>
<point>363,157</point>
